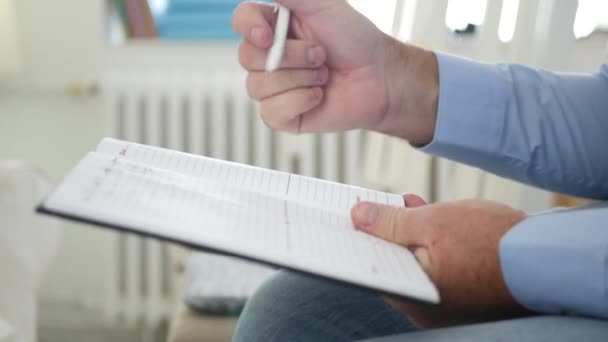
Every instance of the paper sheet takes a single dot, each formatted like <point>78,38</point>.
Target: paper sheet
<point>275,217</point>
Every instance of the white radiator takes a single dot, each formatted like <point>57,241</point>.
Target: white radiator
<point>209,114</point>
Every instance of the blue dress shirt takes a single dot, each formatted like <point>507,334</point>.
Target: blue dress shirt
<point>549,130</point>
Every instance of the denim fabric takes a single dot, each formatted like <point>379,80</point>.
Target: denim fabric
<point>295,307</point>
<point>534,329</point>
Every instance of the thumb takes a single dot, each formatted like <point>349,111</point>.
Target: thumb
<point>413,201</point>
<point>424,259</point>
<point>388,223</point>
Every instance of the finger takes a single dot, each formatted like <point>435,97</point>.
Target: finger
<point>299,54</point>
<point>393,224</point>
<point>261,85</point>
<point>413,201</point>
<point>281,111</point>
<point>424,259</point>
<point>254,21</point>
<point>307,7</point>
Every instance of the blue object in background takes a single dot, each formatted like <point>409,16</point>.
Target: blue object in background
<point>197,19</point>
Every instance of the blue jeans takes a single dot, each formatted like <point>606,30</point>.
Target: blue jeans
<point>294,307</point>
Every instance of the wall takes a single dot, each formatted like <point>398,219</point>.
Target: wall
<point>590,53</point>
<point>61,41</point>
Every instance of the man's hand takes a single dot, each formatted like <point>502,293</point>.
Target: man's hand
<point>338,72</point>
<point>457,245</point>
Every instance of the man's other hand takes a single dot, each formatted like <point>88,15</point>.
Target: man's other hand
<point>457,245</point>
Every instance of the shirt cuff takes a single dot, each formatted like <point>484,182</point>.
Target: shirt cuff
<point>558,263</point>
<point>471,109</point>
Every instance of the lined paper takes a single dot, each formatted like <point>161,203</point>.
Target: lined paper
<point>283,219</point>
<point>305,190</point>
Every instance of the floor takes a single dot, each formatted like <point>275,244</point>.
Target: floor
<point>60,323</point>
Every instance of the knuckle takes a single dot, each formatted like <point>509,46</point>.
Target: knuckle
<point>295,53</point>
<point>246,55</point>
<point>248,6</point>
<point>295,77</point>
<point>393,224</point>
<point>240,13</point>
<point>241,10</point>
<point>270,120</point>
<point>242,54</point>
<point>234,21</point>
<point>253,87</point>
<point>290,77</point>
<point>314,95</point>
<point>400,218</point>
<point>314,76</point>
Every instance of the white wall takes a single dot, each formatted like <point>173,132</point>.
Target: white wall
<point>589,53</point>
<point>61,41</point>
<point>54,131</point>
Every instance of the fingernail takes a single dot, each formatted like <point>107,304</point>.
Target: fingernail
<point>257,34</point>
<point>316,93</point>
<point>366,214</point>
<point>317,76</point>
<point>314,55</point>
<point>320,75</point>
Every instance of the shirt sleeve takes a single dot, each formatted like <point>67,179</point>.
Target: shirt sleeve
<point>558,263</point>
<point>541,128</point>
<point>545,129</point>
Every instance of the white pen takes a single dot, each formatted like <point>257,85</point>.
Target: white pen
<point>275,55</point>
